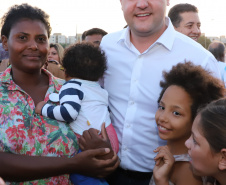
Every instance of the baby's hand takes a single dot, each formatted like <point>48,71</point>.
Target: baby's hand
<point>38,108</point>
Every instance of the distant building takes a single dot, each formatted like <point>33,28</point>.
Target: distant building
<point>79,37</point>
<point>223,39</point>
<point>62,39</point>
<point>71,39</point>
<point>52,39</point>
<point>213,39</point>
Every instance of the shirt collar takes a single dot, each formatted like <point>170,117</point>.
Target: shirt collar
<point>168,36</point>
<point>125,36</point>
<point>7,80</point>
<point>166,39</point>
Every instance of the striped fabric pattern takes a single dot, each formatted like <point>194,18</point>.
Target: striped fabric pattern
<point>70,97</point>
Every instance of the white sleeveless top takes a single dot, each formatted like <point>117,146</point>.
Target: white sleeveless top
<point>182,157</point>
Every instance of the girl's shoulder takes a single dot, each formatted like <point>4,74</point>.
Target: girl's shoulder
<point>182,174</point>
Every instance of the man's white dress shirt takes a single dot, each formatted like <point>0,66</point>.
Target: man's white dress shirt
<point>132,81</point>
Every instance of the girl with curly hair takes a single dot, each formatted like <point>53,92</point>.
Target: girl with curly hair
<point>186,87</point>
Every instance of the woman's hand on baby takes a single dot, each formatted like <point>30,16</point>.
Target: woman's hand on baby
<point>164,161</point>
<point>38,108</point>
<point>90,165</point>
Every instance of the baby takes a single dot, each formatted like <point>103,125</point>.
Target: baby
<point>83,103</point>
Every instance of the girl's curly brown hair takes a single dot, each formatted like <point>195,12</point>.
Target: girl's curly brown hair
<point>196,81</point>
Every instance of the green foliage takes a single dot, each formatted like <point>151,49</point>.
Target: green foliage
<point>64,45</point>
<point>204,41</point>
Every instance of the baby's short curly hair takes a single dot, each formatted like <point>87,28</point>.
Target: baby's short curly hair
<point>196,81</point>
<point>84,61</point>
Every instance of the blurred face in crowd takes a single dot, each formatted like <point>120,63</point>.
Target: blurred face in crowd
<point>145,17</point>
<point>190,25</point>
<point>53,55</point>
<point>95,39</point>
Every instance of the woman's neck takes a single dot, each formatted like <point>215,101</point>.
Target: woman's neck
<point>221,178</point>
<point>35,84</point>
<point>177,147</point>
<point>24,79</point>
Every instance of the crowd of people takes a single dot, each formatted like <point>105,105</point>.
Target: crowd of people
<point>141,106</point>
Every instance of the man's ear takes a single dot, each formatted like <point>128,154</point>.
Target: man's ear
<point>4,42</point>
<point>222,161</point>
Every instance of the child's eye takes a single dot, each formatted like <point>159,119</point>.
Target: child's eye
<point>161,107</point>
<point>176,113</point>
<point>194,141</point>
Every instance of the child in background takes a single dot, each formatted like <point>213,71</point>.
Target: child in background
<point>83,103</point>
<point>185,88</point>
<point>207,144</point>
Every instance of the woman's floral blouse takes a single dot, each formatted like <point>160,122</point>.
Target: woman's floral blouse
<point>24,132</point>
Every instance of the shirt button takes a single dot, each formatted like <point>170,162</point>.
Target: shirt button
<point>132,102</point>
<point>128,125</point>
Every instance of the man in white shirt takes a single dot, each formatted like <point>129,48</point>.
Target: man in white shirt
<point>136,56</point>
<point>185,19</point>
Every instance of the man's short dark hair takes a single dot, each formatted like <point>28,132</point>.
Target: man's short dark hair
<point>217,48</point>
<point>175,11</point>
<point>83,35</point>
<point>84,61</point>
<point>96,31</point>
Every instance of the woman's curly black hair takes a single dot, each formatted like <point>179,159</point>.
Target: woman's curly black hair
<point>18,12</point>
<point>84,61</point>
<point>196,81</point>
